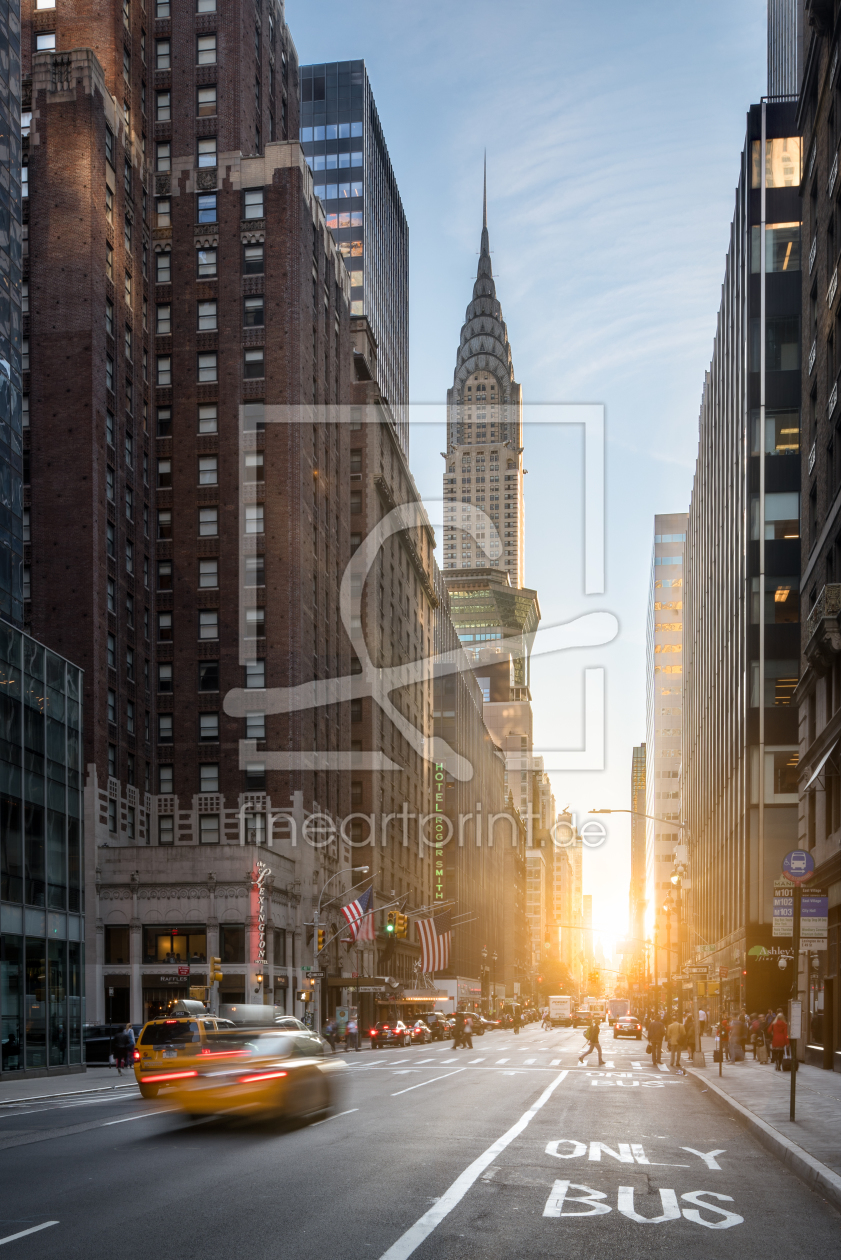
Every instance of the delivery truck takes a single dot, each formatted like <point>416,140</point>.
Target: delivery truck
<point>560,1011</point>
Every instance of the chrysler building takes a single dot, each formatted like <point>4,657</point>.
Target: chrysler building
<point>484,471</point>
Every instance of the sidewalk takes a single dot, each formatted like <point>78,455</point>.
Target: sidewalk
<point>759,1095</point>
<point>94,1080</point>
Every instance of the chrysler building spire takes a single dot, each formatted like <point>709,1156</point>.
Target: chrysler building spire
<point>484,431</point>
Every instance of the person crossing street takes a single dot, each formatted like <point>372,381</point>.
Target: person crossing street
<point>591,1034</point>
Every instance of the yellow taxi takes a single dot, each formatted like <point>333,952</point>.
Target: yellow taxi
<point>167,1046</point>
<point>260,1072</point>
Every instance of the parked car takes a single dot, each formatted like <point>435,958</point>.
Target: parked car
<point>99,1041</point>
<point>393,1033</point>
<point>420,1032</point>
<point>627,1026</point>
<point>438,1025</point>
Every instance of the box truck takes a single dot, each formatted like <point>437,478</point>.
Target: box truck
<point>560,1011</point>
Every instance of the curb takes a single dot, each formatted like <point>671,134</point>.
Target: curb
<point>815,1174</point>
<point>68,1093</point>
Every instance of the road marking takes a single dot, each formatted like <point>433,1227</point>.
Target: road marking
<point>455,1060</point>
<point>530,1060</point>
<point>477,1060</point>
<point>431,1081</point>
<point>425,1061</point>
<point>635,1063</point>
<point>24,1232</point>
<point>337,1117</point>
<point>502,1061</point>
<point>417,1233</point>
<point>144,1116</point>
<point>554,1063</point>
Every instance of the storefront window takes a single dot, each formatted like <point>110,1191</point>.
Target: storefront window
<point>58,1002</point>
<point>74,1000</point>
<point>11,1002</point>
<point>35,1003</point>
<point>117,945</point>
<point>174,944</point>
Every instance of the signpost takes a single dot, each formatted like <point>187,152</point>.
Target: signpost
<point>697,1053</point>
<point>798,866</point>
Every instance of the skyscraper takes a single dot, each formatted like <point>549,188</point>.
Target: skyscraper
<point>484,437</point>
<point>345,147</point>
<point>11,367</point>
<point>637,898</point>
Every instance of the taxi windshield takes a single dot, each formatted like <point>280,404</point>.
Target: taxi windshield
<point>271,1046</point>
<point>169,1032</point>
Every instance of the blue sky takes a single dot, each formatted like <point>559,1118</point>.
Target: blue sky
<point>613,135</point>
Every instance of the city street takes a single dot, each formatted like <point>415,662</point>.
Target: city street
<point>433,1152</point>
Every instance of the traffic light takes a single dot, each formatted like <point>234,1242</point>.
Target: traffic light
<point>322,939</point>
<point>391,922</point>
<point>304,995</point>
<point>401,925</point>
<point>215,972</point>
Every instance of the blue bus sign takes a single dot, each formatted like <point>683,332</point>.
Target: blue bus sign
<point>798,866</point>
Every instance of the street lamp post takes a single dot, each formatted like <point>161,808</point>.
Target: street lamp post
<point>349,870</point>
<point>484,974</point>
<point>493,981</point>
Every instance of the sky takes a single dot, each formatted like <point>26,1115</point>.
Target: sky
<point>613,137</point>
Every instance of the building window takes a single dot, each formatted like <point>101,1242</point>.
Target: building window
<point>109,261</point>
<point>129,557</point>
<point>45,42</point>
<point>109,147</point>
<point>208,522</point>
<point>207,368</point>
<point>164,426</point>
<point>163,215</point>
<point>254,523</point>
<point>26,527</point>
<point>255,776</point>
<point>110,481</point>
<point>206,263</point>
<point>112,705</point>
<point>163,265</point>
<point>206,211</point>
<point>205,6</point>
<point>111,540</point>
<point>206,101</point>
<point>255,570</point>
<point>111,595</point>
<point>163,323</point>
<point>207,317</point>
<point>165,677</point>
<point>209,623</point>
<point>164,370</point>
<point>165,780</point>
<point>111,651</point>
<point>163,156</point>
<point>166,823</point>
<point>209,776</point>
<point>164,524</point>
<point>255,623</point>
<point>164,575</point>
<point>252,260</point>
<point>162,9</point>
<point>252,315</point>
<point>164,728</point>
<point>130,716</point>
<point>109,365</point>
<point>209,574</point>
<point>163,107</point>
<point>208,419</point>
<point>112,817</point>
<point>253,366</point>
<point>255,725</point>
<point>109,317</point>
<point>208,675</point>
<point>208,470</point>
<point>164,627</point>
<point>162,55</point>
<point>255,675</point>
<point>209,728</point>
<point>254,469</point>
<point>207,151</point>
<point>129,504</point>
<point>206,50</point>
<point>252,203</point>
<point>208,828</point>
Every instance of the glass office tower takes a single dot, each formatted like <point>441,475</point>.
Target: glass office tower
<point>346,150</point>
<point>41,887</point>
<point>11,455</point>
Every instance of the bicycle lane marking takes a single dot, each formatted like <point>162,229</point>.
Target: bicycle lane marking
<point>414,1236</point>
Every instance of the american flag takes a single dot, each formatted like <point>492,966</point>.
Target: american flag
<point>360,917</point>
<point>435,935</point>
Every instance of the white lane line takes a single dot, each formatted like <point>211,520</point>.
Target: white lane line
<point>477,1060</point>
<point>554,1063</point>
<point>425,1061</point>
<point>529,1060</point>
<point>502,1060</point>
<point>421,1230</point>
<point>145,1116</point>
<point>431,1081</point>
<point>337,1117</point>
<point>24,1232</point>
<point>635,1063</point>
<point>31,1111</point>
<point>455,1060</point>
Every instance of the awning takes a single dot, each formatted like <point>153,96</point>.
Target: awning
<point>824,759</point>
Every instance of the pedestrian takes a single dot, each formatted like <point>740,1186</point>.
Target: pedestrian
<point>779,1040</point>
<point>121,1046</point>
<point>689,1035</point>
<point>702,1022</point>
<point>738,1037</point>
<point>517,1021</point>
<point>655,1031</point>
<point>350,1037</point>
<point>330,1033</point>
<point>675,1037</point>
<point>546,1024</point>
<point>458,1030</point>
<point>724,1035</point>
<point>467,1038</point>
<point>591,1034</point>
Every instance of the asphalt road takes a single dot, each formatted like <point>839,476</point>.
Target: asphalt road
<point>509,1150</point>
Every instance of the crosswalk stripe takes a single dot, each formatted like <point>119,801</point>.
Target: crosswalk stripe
<point>531,1060</point>
<point>554,1063</point>
<point>502,1060</point>
<point>455,1060</point>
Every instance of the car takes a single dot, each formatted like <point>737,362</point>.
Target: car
<point>420,1032</point>
<point>99,1041</point>
<point>166,1047</point>
<point>438,1025</point>
<point>580,1019</point>
<point>392,1033</point>
<point>628,1026</point>
<point>265,1073</point>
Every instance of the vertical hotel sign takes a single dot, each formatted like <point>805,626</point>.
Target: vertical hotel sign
<point>441,835</point>
<point>258,913</point>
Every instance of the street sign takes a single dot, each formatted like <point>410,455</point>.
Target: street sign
<point>700,970</point>
<point>795,1019</point>
<point>783,912</point>
<point>799,865</point>
<point>183,971</point>
<point>315,975</point>
<point>368,988</point>
<point>722,973</point>
<point>814,913</point>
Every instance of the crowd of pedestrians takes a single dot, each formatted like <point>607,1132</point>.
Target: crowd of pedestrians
<point>766,1035</point>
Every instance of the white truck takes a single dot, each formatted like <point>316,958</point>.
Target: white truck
<point>617,1008</point>
<point>560,1011</point>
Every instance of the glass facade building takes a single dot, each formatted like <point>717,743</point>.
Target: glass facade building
<point>346,151</point>
<point>41,858</point>
<point>11,454</point>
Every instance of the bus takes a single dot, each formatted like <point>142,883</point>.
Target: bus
<point>617,1007</point>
